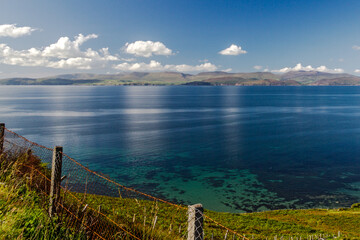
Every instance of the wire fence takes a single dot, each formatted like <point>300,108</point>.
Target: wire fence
<point>103,208</point>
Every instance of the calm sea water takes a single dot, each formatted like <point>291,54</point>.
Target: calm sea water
<point>231,148</point>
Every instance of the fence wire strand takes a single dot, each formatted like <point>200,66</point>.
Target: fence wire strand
<point>105,208</point>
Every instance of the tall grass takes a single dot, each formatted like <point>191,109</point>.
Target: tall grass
<point>22,209</point>
<point>77,215</point>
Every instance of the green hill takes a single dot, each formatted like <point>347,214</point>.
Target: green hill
<point>295,78</point>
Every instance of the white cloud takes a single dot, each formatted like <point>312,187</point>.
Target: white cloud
<point>157,66</point>
<point>356,47</point>
<point>257,67</point>
<point>67,53</point>
<point>128,59</point>
<point>357,71</point>
<point>62,54</point>
<point>147,48</point>
<point>233,50</point>
<point>152,66</point>
<point>76,62</point>
<point>299,67</point>
<point>65,48</point>
<point>189,68</point>
<point>11,30</point>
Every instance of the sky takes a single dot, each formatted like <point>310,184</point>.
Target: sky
<point>42,38</point>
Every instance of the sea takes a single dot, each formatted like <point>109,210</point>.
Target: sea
<point>232,148</point>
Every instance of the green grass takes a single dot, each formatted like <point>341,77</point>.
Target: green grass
<point>295,223</point>
<point>23,214</point>
<point>138,216</point>
<point>262,225</point>
<point>23,210</point>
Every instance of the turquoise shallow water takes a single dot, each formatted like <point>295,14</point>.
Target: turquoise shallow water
<point>231,148</point>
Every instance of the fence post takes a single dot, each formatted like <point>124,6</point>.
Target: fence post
<point>2,134</point>
<point>55,179</point>
<point>195,222</point>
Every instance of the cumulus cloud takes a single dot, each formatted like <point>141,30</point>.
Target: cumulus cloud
<point>152,66</point>
<point>128,59</point>
<point>233,50</point>
<point>157,66</point>
<point>356,47</point>
<point>299,67</point>
<point>11,30</point>
<point>189,68</point>
<point>62,54</point>
<point>147,48</point>
<point>67,53</point>
<point>357,71</point>
<point>76,62</point>
<point>257,67</point>
<point>65,48</point>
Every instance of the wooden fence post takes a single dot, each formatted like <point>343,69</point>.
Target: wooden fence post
<point>55,179</point>
<point>2,135</point>
<point>195,222</point>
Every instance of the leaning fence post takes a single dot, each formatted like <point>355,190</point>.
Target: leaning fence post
<point>195,222</point>
<point>55,179</point>
<point>2,134</point>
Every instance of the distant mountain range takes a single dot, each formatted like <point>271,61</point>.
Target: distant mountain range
<point>296,78</point>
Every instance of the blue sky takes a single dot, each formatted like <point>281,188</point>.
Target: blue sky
<point>41,38</point>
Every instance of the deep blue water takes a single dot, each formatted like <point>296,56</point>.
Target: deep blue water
<point>231,148</point>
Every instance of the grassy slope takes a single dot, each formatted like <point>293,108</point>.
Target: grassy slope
<point>295,222</point>
<point>261,225</point>
<point>22,216</point>
<point>23,212</point>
